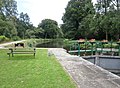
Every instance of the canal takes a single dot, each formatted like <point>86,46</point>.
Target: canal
<point>110,63</point>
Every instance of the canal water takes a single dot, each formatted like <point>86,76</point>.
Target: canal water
<point>51,44</point>
<point>110,63</point>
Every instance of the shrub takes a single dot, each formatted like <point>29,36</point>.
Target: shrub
<point>15,38</point>
<point>67,44</point>
<point>109,45</point>
<point>3,39</point>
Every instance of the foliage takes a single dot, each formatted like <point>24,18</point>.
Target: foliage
<point>8,13</point>
<point>66,44</point>
<point>38,32</point>
<point>82,20</point>
<point>3,38</point>
<point>109,45</point>
<point>31,43</point>
<point>10,25</point>
<point>15,38</point>
<point>7,29</point>
<point>24,27</point>
<point>74,15</point>
<point>50,28</point>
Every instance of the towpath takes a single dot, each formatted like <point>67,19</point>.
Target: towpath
<point>9,43</point>
<point>84,73</point>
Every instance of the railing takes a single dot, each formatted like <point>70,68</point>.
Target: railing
<point>94,47</point>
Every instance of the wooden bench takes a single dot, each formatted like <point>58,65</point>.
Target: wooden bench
<point>23,51</point>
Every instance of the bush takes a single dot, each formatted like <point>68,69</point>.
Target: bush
<point>31,43</point>
<point>15,38</point>
<point>109,45</point>
<point>3,39</point>
<point>67,44</point>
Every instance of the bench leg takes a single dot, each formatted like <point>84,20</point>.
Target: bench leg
<point>34,54</point>
<point>8,54</point>
<point>12,55</point>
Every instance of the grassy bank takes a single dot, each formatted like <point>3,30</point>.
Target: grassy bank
<point>25,71</point>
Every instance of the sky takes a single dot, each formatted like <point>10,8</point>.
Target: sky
<point>43,9</point>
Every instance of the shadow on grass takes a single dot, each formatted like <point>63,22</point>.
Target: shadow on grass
<point>22,57</point>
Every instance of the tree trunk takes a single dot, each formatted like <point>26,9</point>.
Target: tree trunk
<point>117,37</point>
<point>106,35</point>
<point>117,5</point>
<point>105,2</point>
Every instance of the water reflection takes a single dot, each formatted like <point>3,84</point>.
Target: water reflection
<point>51,44</point>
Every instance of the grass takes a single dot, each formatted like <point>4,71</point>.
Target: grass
<point>25,71</point>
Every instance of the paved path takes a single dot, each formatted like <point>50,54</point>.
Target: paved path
<point>9,43</point>
<point>84,73</point>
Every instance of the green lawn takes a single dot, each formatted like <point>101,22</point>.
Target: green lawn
<point>25,71</point>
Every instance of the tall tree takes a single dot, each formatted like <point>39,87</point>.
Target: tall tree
<point>23,24</point>
<point>8,13</point>
<point>24,17</point>
<point>75,12</point>
<point>9,8</point>
<point>107,9</point>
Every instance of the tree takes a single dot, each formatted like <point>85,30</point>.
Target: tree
<point>24,17</point>
<point>10,25</point>
<point>108,10</point>
<point>39,32</point>
<point>86,30</point>
<point>23,24</point>
<point>9,8</point>
<point>8,15</point>
<point>115,25</point>
<point>75,12</point>
<point>7,29</point>
<point>0,6</point>
<point>50,27</point>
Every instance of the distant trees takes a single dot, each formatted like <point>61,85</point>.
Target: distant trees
<point>83,20</point>
<point>80,20</point>
<point>23,24</point>
<point>13,25</point>
<point>18,26</point>
<point>8,13</point>
<point>50,29</point>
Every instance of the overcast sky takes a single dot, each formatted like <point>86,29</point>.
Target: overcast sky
<point>43,9</point>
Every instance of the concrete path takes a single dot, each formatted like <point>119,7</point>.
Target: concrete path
<point>84,73</point>
<point>9,43</point>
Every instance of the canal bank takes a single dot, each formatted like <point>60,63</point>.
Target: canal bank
<point>85,73</point>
